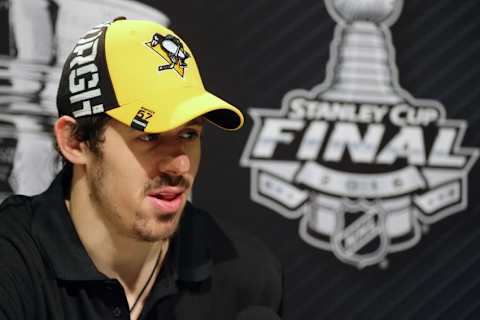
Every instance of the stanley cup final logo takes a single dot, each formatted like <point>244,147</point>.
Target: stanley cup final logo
<point>365,166</point>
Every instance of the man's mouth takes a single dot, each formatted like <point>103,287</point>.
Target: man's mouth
<point>167,196</point>
<point>167,201</point>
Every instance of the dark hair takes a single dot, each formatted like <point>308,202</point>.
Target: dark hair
<point>89,130</point>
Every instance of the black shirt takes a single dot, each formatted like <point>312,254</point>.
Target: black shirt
<point>210,271</point>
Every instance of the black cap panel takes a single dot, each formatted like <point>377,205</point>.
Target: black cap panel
<point>85,86</point>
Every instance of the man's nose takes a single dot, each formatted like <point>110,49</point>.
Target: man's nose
<point>178,164</point>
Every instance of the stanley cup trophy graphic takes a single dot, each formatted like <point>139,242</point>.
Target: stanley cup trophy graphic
<point>364,165</point>
<point>39,34</point>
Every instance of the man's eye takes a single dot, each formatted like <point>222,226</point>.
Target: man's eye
<point>149,137</point>
<point>190,135</point>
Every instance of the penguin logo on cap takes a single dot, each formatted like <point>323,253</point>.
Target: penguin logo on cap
<point>171,49</point>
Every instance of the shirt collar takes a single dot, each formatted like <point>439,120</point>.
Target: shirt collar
<point>54,230</point>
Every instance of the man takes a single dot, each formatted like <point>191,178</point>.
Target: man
<point>114,236</point>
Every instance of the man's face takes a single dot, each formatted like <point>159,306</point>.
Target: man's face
<point>140,182</point>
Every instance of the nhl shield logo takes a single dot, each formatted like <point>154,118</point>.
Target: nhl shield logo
<point>359,236</point>
<point>363,164</point>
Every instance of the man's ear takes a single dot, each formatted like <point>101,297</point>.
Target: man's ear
<point>71,148</point>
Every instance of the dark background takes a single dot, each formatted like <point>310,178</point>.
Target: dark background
<point>252,53</point>
<point>246,55</point>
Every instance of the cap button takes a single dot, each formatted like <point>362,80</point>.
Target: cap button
<point>119,18</point>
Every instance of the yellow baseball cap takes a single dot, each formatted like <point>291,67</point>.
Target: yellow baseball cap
<point>141,74</point>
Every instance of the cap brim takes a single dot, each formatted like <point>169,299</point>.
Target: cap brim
<point>166,114</point>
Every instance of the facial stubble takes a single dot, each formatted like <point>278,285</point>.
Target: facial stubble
<point>141,229</point>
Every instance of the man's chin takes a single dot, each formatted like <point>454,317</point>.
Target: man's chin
<point>153,237</point>
<point>162,230</point>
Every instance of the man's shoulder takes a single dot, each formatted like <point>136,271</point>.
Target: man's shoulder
<point>229,242</point>
<point>15,214</point>
<point>16,240</point>
<point>244,262</point>
<point>16,236</point>
<point>248,247</point>
<point>21,263</point>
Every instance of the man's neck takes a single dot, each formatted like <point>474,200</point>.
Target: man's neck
<point>126,259</point>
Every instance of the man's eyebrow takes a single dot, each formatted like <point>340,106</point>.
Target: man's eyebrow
<point>196,121</point>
